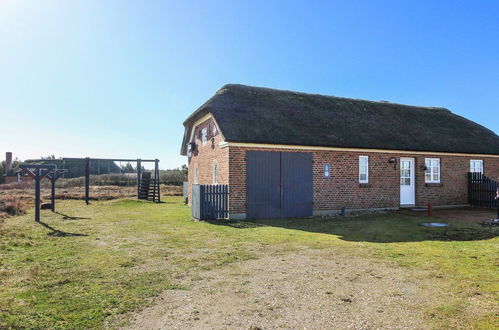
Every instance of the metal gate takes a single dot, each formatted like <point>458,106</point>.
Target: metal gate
<point>210,202</point>
<point>279,184</point>
<point>482,190</point>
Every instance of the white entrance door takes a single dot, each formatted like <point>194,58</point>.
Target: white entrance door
<point>407,186</point>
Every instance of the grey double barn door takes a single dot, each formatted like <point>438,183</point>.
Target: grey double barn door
<point>279,184</point>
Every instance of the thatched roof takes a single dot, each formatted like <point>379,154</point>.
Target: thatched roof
<point>263,115</point>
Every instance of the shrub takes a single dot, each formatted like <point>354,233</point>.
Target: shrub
<point>12,206</point>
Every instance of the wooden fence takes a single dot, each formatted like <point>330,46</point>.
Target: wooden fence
<point>210,202</point>
<point>482,191</point>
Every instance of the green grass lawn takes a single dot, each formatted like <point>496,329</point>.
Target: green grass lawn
<point>89,264</point>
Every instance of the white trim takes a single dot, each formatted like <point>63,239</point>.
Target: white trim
<point>197,122</point>
<point>366,180</point>
<point>432,179</point>
<point>201,120</point>
<point>388,151</point>
<point>476,160</point>
<point>412,180</point>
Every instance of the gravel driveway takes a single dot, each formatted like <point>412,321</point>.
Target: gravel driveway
<point>313,289</point>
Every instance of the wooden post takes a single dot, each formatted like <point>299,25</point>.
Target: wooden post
<point>37,172</point>
<point>87,180</point>
<point>52,193</point>
<point>497,199</point>
<point>37,194</point>
<point>430,209</point>
<point>53,177</point>
<point>156,169</point>
<point>139,173</point>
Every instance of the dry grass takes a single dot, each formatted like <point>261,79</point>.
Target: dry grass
<point>17,197</point>
<point>10,206</point>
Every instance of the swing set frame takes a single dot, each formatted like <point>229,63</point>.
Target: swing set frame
<point>138,161</point>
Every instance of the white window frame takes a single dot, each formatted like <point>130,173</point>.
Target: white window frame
<point>215,173</point>
<point>196,175</point>
<point>473,163</point>
<point>327,170</point>
<point>431,169</point>
<point>204,135</point>
<point>361,170</point>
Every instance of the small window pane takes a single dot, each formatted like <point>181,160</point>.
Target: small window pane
<point>204,135</point>
<point>327,170</point>
<point>476,166</point>
<point>363,169</point>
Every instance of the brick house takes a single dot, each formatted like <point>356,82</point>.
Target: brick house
<point>286,154</point>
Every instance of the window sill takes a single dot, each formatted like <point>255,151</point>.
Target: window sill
<point>433,184</point>
<point>364,185</point>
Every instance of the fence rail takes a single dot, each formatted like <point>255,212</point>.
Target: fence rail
<point>210,202</point>
<point>482,191</point>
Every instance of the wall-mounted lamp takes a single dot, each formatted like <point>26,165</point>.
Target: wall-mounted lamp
<point>394,162</point>
<point>423,167</point>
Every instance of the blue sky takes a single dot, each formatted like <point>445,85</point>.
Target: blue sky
<point>117,78</point>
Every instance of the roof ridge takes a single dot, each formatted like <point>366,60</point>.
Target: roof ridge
<point>228,86</point>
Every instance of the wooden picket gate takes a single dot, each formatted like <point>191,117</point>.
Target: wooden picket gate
<point>210,202</point>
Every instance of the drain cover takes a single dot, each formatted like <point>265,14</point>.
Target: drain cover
<point>434,224</point>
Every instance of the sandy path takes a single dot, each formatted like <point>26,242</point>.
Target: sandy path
<point>314,289</point>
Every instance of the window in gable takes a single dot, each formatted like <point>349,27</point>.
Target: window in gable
<point>204,135</point>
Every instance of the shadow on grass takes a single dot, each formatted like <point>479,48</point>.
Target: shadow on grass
<point>68,217</point>
<point>57,232</point>
<point>376,228</point>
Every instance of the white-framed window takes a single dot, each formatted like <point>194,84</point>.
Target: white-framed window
<point>363,169</point>
<point>476,166</point>
<point>204,135</point>
<point>214,130</point>
<point>432,170</point>
<point>195,175</point>
<point>215,173</point>
<point>327,170</point>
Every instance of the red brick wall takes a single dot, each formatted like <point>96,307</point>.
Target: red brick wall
<point>342,189</point>
<point>205,155</point>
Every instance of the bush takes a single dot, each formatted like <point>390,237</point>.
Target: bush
<point>173,177</point>
<point>12,206</point>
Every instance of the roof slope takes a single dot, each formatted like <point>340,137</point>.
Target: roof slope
<point>262,115</point>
